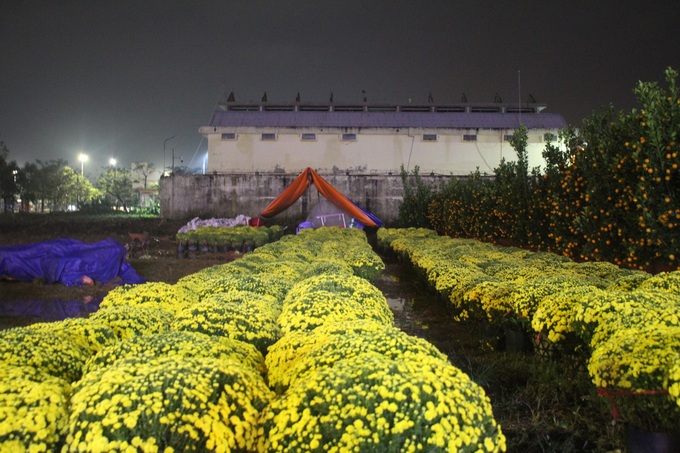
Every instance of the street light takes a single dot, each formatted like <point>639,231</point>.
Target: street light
<point>82,158</point>
<point>165,143</point>
<point>112,163</point>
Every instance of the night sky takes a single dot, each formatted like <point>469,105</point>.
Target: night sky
<point>117,78</point>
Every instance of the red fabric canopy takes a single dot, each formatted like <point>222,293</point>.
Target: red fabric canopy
<point>295,190</point>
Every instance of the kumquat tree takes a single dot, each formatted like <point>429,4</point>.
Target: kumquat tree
<point>609,191</point>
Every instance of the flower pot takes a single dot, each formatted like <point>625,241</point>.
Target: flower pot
<point>543,347</point>
<point>192,249</point>
<point>639,441</point>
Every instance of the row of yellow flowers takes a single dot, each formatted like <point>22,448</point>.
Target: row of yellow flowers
<point>628,322</point>
<point>289,348</point>
<point>347,379</point>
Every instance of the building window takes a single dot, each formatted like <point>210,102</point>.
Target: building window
<point>308,137</point>
<point>268,137</point>
<point>469,137</point>
<point>508,137</point>
<point>429,137</point>
<point>229,136</point>
<point>550,137</point>
<point>349,137</point>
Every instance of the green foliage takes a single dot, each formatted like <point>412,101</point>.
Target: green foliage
<point>609,191</point>
<point>417,196</point>
<point>28,182</point>
<point>511,193</point>
<point>116,186</point>
<point>498,209</point>
<point>456,210</point>
<point>145,169</point>
<point>53,186</point>
<point>8,183</point>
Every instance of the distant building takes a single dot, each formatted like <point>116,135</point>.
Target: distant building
<point>372,138</point>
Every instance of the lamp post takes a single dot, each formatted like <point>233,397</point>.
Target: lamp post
<point>165,143</point>
<point>112,163</point>
<point>82,158</point>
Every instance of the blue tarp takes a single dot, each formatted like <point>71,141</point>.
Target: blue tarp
<point>67,261</point>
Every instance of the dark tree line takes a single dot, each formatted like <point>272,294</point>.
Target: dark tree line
<point>48,186</point>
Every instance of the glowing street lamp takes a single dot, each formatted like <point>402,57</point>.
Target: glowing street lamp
<point>112,163</point>
<point>82,158</point>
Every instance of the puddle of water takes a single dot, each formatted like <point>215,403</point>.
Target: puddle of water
<point>49,310</point>
<point>415,308</point>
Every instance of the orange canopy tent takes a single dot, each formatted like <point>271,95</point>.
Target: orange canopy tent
<point>308,176</point>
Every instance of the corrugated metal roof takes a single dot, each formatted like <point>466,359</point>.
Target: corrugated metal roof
<point>453,120</point>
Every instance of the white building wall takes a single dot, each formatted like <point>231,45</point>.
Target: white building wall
<point>375,151</point>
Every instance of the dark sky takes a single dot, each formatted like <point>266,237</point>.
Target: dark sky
<point>116,78</point>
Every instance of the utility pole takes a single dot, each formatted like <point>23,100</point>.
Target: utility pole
<point>165,143</point>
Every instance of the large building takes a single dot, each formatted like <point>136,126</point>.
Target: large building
<point>372,138</point>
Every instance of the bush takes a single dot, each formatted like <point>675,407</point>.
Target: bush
<point>417,196</point>
<point>609,191</point>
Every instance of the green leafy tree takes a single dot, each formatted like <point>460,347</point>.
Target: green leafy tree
<point>512,192</point>
<point>116,185</point>
<point>27,181</point>
<point>621,189</point>
<point>553,205</point>
<point>145,169</point>
<point>49,183</point>
<point>652,151</point>
<point>58,186</point>
<point>71,189</point>
<point>8,177</point>
<point>494,208</point>
<point>609,192</point>
<point>81,186</point>
<point>460,208</point>
<point>417,197</point>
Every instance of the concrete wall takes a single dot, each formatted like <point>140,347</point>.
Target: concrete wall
<point>228,195</point>
<point>376,151</point>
